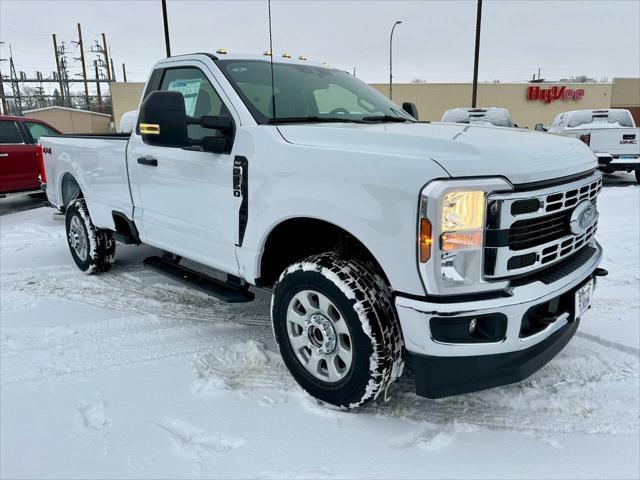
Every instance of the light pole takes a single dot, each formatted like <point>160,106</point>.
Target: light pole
<point>165,21</point>
<point>398,22</point>
<point>476,56</point>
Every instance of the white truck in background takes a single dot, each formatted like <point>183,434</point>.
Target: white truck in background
<point>610,133</point>
<point>496,116</point>
<point>466,251</point>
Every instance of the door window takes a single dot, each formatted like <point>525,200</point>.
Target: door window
<point>200,98</point>
<point>9,132</point>
<point>37,130</point>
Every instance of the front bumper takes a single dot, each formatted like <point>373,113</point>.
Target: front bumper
<point>446,368</point>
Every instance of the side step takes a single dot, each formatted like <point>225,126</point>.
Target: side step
<point>226,292</point>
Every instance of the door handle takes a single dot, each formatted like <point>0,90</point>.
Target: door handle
<point>150,161</point>
<point>3,155</point>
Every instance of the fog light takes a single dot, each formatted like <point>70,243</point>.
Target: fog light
<point>472,326</point>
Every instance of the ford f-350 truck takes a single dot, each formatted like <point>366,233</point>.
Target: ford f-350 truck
<point>467,252</point>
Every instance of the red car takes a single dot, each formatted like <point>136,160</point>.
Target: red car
<point>20,167</point>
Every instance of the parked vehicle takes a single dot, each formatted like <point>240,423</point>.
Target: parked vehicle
<point>128,121</point>
<point>19,165</point>
<point>466,251</point>
<point>610,133</point>
<point>500,117</point>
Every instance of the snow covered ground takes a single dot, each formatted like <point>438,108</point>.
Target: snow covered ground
<point>129,375</point>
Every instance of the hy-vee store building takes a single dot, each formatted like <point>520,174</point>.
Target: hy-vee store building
<point>529,103</point>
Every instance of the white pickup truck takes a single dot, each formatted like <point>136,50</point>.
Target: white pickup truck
<point>467,252</point>
<point>497,116</point>
<point>611,134</point>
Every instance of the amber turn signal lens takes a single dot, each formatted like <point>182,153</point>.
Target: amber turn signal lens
<point>425,240</point>
<point>461,240</point>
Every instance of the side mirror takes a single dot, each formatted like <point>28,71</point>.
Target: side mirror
<point>217,144</point>
<point>162,120</point>
<point>411,109</point>
<point>223,124</point>
<point>540,127</point>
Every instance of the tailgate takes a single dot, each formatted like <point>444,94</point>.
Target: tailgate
<point>616,141</point>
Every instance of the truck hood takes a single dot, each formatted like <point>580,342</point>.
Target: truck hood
<point>522,156</point>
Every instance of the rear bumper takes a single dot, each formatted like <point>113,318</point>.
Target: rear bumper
<point>448,368</point>
<point>610,163</point>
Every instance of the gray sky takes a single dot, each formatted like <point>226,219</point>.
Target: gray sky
<point>435,42</point>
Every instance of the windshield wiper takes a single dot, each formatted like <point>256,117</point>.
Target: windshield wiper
<point>386,118</point>
<point>312,119</point>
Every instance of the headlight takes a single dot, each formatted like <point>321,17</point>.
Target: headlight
<point>462,211</point>
<point>462,220</point>
<point>451,235</point>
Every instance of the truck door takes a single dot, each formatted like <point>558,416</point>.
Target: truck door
<point>18,161</point>
<point>184,199</point>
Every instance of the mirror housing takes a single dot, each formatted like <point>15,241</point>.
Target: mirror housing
<point>220,123</point>
<point>540,127</point>
<point>162,120</point>
<point>216,144</point>
<point>411,109</point>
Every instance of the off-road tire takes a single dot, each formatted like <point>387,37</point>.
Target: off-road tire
<point>365,303</point>
<point>101,244</point>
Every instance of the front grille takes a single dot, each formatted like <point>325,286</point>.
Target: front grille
<point>528,231</point>
<point>536,231</point>
<point>572,197</point>
<point>521,207</point>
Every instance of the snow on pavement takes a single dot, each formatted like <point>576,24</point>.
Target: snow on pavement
<point>128,374</point>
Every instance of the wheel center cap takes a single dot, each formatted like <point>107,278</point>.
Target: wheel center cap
<point>321,334</point>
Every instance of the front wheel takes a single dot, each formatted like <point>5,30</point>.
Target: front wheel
<point>93,249</point>
<point>337,330</point>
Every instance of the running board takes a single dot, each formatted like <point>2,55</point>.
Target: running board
<point>226,292</point>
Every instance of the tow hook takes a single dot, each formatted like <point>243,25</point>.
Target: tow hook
<point>601,272</point>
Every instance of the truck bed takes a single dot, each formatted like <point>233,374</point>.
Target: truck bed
<point>98,163</point>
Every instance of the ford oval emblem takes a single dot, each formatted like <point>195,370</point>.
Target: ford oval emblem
<point>584,215</point>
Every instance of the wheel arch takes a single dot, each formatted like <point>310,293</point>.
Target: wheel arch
<point>296,238</point>
<point>69,190</point>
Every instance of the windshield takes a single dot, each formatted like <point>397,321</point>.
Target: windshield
<point>307,93</point>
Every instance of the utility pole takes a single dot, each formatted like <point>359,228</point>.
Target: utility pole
<point>474,94</point>
<point>398,22</point>
<point>15,86</point>
<point>106,56</point>
<point>100,105</point>
<point>124,73</point>
<point>166,28</point>
<point>62,53</point>
<point>5,108</point>
<point>55,51</point>
<point>84,67</point>
<point>113,71</point>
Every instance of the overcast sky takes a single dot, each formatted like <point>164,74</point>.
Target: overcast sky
<point>435,42</point>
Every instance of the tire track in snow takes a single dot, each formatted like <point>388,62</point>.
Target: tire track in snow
<point>570,394</point>
<point>133,290</point>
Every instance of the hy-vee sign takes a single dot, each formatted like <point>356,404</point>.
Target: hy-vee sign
<point>557,92</point>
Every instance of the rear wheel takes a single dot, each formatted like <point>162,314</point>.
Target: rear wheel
<point>337,330</point>
<point>93,249</point>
